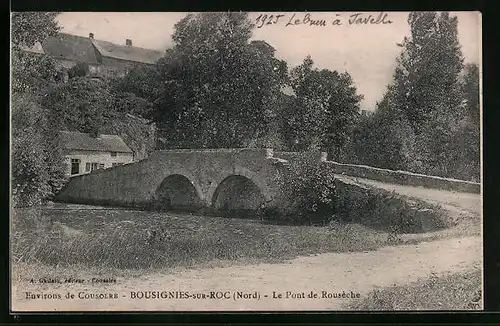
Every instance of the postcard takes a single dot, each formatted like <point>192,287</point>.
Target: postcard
<point>246,161</point>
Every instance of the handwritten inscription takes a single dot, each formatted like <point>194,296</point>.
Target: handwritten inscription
<point>369,20</point>
<point>305,20</point>
<point>308,19</point>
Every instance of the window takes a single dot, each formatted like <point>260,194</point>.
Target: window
<point>87,167</point>
<point>113,154</point>
<point>94,166</point>
<point>116,164</point>
<point>101,166</point>
<point>75,166</point>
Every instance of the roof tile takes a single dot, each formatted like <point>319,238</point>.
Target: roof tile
<point>82,141</point>
<point>126,52</point>
<point>70,47</point>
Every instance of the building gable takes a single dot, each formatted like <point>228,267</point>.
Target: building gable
<point>71,47</point>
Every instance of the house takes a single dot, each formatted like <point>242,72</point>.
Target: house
<point>85,152</point>
<point>103,58</point>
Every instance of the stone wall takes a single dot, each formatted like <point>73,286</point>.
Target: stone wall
<point>404,177</point>
<point>290,156</point>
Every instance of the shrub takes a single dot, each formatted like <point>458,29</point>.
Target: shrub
<point>310,189</point>
<point>81,69</point>
<point>37,164</point>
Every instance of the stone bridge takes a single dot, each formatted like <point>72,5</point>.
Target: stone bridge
<point>221,179</point>
<point>215,179</point>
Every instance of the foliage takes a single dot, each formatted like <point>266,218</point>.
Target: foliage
<point>428,120</point>
<point>89,105</point>
<point>37,170</point>
<point>470,127</point>
<point>142,81</point>
<point>81,104</point>
<point>426,77</point>
<point>325,110</point>
<point>30,27</point>
<point>31,73</point>
<point>81,69</point>
<point>36,156</point>
<point>217,87</point>
<point>385,138</point>
<point>133,104</point>
<point>139,134</point>
<point>310,187</point>
<point>136,92</point>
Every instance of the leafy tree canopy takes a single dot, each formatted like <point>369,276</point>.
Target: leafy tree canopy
<point>217,86</point>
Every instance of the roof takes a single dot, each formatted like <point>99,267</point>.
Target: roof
<point>37,48</point>
<point>70,47</point>
<point>127,52</point>
<point>104,143</point>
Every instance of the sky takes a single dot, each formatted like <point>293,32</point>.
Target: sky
<point>367,51</point>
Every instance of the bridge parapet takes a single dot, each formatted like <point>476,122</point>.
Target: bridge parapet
<point>403,177</point>
<point>310,155</point>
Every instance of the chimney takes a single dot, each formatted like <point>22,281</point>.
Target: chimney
<point>128,42</point>
<point>91,36</point>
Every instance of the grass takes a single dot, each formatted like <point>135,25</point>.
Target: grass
<point>131,239</point>
<point>459,291</point>
<point>137,239</point>
<point>387,210</point>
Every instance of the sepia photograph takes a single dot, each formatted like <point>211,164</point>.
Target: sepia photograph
<point>246,161</point>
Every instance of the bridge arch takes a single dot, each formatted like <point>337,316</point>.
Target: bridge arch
<point>241,189</point>
<point>178,189</point>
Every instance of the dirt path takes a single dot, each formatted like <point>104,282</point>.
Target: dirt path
<point>358,272</point>
<point>469,202</point>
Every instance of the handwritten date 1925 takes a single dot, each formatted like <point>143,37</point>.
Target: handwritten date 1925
<point>264,19</point>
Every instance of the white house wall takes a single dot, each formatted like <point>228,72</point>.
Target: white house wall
<point>96,157</point>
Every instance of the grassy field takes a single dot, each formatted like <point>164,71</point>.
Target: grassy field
<point>138,239</point>
<point>128,239</point>
<point>460,291</point>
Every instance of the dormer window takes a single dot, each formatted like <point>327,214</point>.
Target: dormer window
<point>113,154</point>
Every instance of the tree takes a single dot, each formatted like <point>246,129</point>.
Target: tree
<point>385,138</point>
<point>89,105</point>
<point>470,91</point>
<point>325,110</point>
<point>142,81</point>
<point>37,161</point>
<point>136,92</point>
<point>27,28</point>
<point>81,104</point>
<point>29,172</point>
<point>470,126</point>
<point>31,73</point>
<point>428,68</point>
<point>422,122</point>
<point>343,114</point>
<point>216,86</point>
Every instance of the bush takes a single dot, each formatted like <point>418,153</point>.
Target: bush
<point>37,165</point>
<point>81,69</point>
<point>310,188</point>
